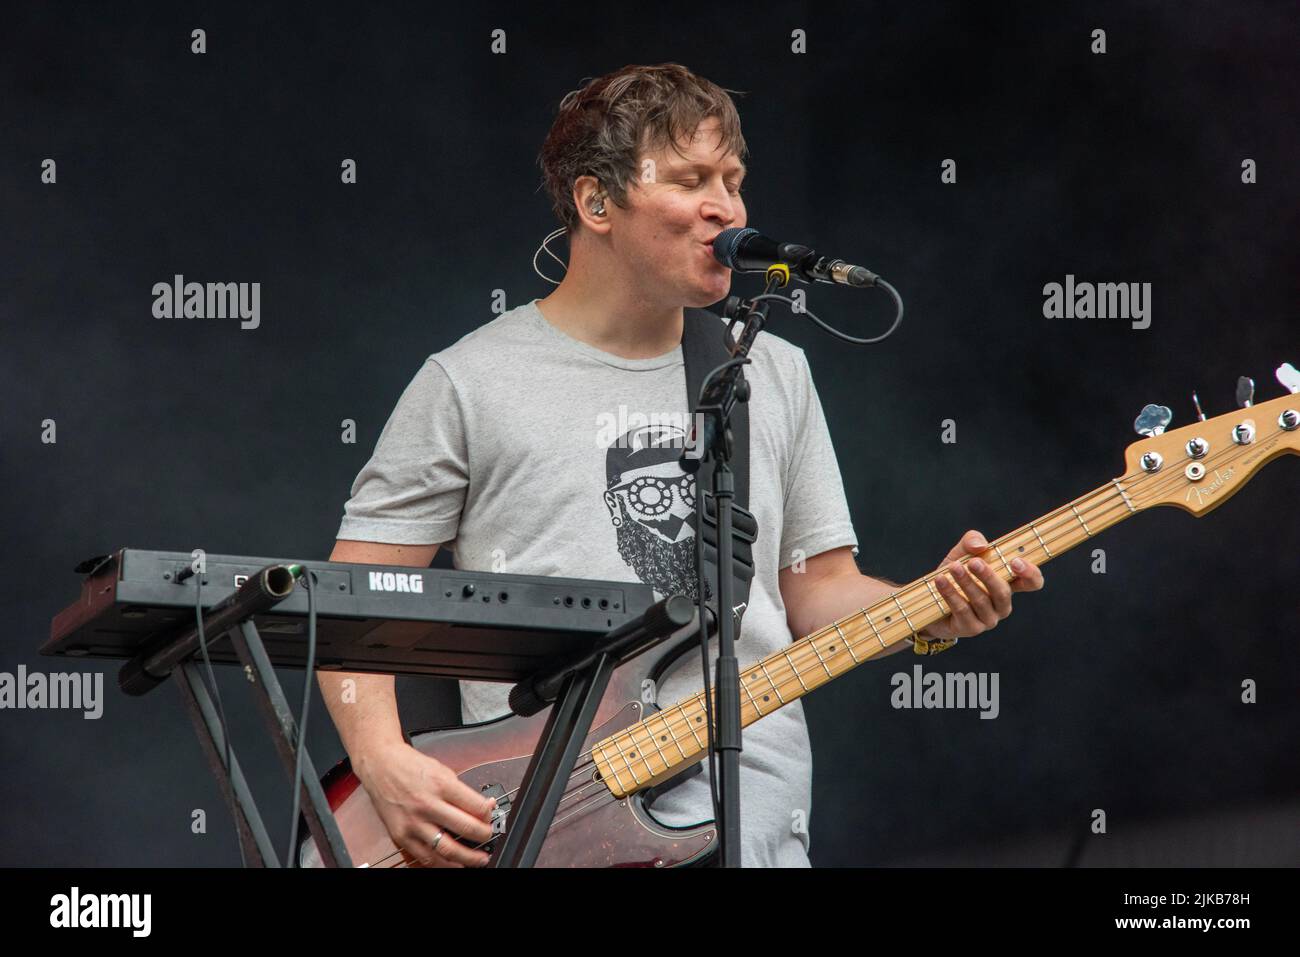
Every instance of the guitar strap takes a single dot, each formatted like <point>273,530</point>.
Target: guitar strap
<point>707,344</point>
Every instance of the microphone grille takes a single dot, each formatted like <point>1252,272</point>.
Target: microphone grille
<point>727,243</point>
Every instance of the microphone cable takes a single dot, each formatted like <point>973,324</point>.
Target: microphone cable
<point>801,310</point>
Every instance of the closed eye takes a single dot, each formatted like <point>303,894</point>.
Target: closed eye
<point>733,188</point>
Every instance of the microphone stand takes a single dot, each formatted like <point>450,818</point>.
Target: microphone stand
<point>719,397</point>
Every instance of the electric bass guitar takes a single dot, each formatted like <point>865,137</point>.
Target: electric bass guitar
<point>636,750</point>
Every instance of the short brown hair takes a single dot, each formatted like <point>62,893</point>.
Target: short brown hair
<point>602,127</point>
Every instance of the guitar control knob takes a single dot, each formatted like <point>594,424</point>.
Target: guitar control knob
<point>1244,433</point>
<point>468,590</point>
<point>1197,448</point>
<point>1289,419</point>
<point>1151,461</point>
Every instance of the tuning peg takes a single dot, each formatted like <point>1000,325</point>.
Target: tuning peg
<point>1152,420</point>
<point>1245,392</point>
<point>1289,376</point>
<point>1196,401</point>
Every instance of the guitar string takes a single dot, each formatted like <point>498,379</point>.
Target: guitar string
<point>1231,452</point>
<point>1165,481</point>
<point>554,824</point>
<point>813,661</point>
<point>570,793</point>
<point>1098,509</point>
<point>1168,480</point>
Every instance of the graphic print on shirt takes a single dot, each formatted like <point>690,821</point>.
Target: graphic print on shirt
<point>651,504</point>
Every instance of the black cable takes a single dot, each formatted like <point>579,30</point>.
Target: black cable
<point>291,859</point>
<point>215,693</point>
<point>843,336</point>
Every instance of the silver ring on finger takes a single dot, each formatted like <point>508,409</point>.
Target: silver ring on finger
<point>436,839</point>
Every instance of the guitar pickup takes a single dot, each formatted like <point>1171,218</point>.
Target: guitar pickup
<point>500,812</point>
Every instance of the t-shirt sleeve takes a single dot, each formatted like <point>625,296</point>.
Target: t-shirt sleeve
<point>816,515</point>
<point>412,490</point>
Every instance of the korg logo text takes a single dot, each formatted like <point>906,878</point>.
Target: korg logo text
<point>396,581</point>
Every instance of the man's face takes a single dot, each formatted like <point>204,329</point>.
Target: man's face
<point>668,227</point>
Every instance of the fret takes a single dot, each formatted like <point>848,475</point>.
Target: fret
<point>630,769</point>
<point>904,611</point>
<point>935,596</point>
<point>752,700</point>
<point>668,726</point>
<point>1033,529</point>
<point>763,667</point>
<point>1006,565</point>
<point>691,724</point>
<point>795,669</point>
<point>1081,521</point>
<point>1115,482</point>
<point>656,747</point>
<point>816,651</point>
<point>848,645</point>
<point>874,628</point>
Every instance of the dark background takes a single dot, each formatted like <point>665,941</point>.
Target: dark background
<point>1118,691</point>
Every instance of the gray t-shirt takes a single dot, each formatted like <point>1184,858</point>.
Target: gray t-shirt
<point>524,450</point>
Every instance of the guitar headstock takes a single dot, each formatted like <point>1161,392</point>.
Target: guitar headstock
<point>1200,466</point>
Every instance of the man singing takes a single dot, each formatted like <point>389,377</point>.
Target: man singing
<point>501,450</point>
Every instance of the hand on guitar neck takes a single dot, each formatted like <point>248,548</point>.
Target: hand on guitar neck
<point>977,594</point>
<point>970,586</point>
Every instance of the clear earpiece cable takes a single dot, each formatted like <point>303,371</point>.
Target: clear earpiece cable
<point>545,245</point>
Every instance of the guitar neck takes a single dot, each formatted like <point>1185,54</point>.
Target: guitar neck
<point>656,748</point>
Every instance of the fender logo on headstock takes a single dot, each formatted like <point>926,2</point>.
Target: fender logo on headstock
<point>1203,493</point>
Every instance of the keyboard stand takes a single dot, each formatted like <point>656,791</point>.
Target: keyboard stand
<point>174,655</point>
<point>274,706</point>
<point>575,687</point>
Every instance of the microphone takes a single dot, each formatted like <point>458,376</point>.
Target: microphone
<point>748,250</point>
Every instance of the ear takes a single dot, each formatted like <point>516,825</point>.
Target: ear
<point>586,194</point>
